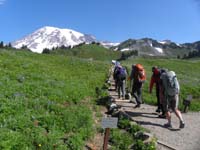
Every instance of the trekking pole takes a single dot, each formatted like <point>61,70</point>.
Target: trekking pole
<point>129,90</point>
<point>130,85</point>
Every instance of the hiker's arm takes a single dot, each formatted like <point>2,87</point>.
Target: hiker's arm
<point>151,84</point>
<point>141,81</point>
<point>178,86</point>
<point>132,74</point>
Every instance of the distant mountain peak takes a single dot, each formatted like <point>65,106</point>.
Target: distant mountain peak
<point>151,47</point>
<point>49,37</point>
<point>165,42</point>
<point>108,44</point>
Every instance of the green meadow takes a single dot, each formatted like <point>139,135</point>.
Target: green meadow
<point>46,100</point>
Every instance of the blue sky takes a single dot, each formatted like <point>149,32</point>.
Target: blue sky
<point>112,20</point>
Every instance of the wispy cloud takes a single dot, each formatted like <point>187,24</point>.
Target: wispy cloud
<point>2,2</point>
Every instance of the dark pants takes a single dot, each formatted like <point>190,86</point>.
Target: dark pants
<point>121,88</point>
<point>162,99</point>
<point>158,96</point>
<point>160,106</point>
<point>137,92</point>
<point>116,84</point>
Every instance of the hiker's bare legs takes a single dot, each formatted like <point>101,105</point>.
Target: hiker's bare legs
<point>168,116</point>
<point>178,114</point>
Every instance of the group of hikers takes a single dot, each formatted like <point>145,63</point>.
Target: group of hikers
<point>167,88</point>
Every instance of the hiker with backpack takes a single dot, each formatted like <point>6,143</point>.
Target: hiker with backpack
<point>117,64</point>
<point>155,79</point>
<point>121,81</point>
<point>137,77</point>
<point>171,89</point>
<point>161,93</point>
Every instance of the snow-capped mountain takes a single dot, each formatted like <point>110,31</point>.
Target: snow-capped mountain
<point>148,46</point>
<point>49,37</point>
<point>108,44</point>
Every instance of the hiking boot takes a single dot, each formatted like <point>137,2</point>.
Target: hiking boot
<point>182,124</point>
<point>158,110</point>
<point>167,125</point>
<point>162,116</point>
<point>137,106</point>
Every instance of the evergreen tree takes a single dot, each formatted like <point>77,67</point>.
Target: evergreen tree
<point>46,51</point>
<point>24,47</point>
<point>184,56</point>
<point>1,44</point>
<point>9,45</point>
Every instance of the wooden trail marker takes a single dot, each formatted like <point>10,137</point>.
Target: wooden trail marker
<point>107,123</point>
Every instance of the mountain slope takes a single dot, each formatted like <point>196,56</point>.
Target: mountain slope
<point>49,37</point>
<point>151,47</point>
<point>92,51</point>
<point>193,46</point>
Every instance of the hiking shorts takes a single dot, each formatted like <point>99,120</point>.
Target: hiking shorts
<point>171,103</point>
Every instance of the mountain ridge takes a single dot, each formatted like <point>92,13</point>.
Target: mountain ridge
<point>53,37</point>
<point>151,47</point>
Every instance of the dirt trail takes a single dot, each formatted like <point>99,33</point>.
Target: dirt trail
<point>184,139</point>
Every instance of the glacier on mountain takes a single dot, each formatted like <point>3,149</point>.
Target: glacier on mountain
<point>52,37</point>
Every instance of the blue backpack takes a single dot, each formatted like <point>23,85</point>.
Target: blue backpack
<point>121,73</point>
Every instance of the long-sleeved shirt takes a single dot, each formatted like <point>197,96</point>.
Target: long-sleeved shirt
<point>155,78</point>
